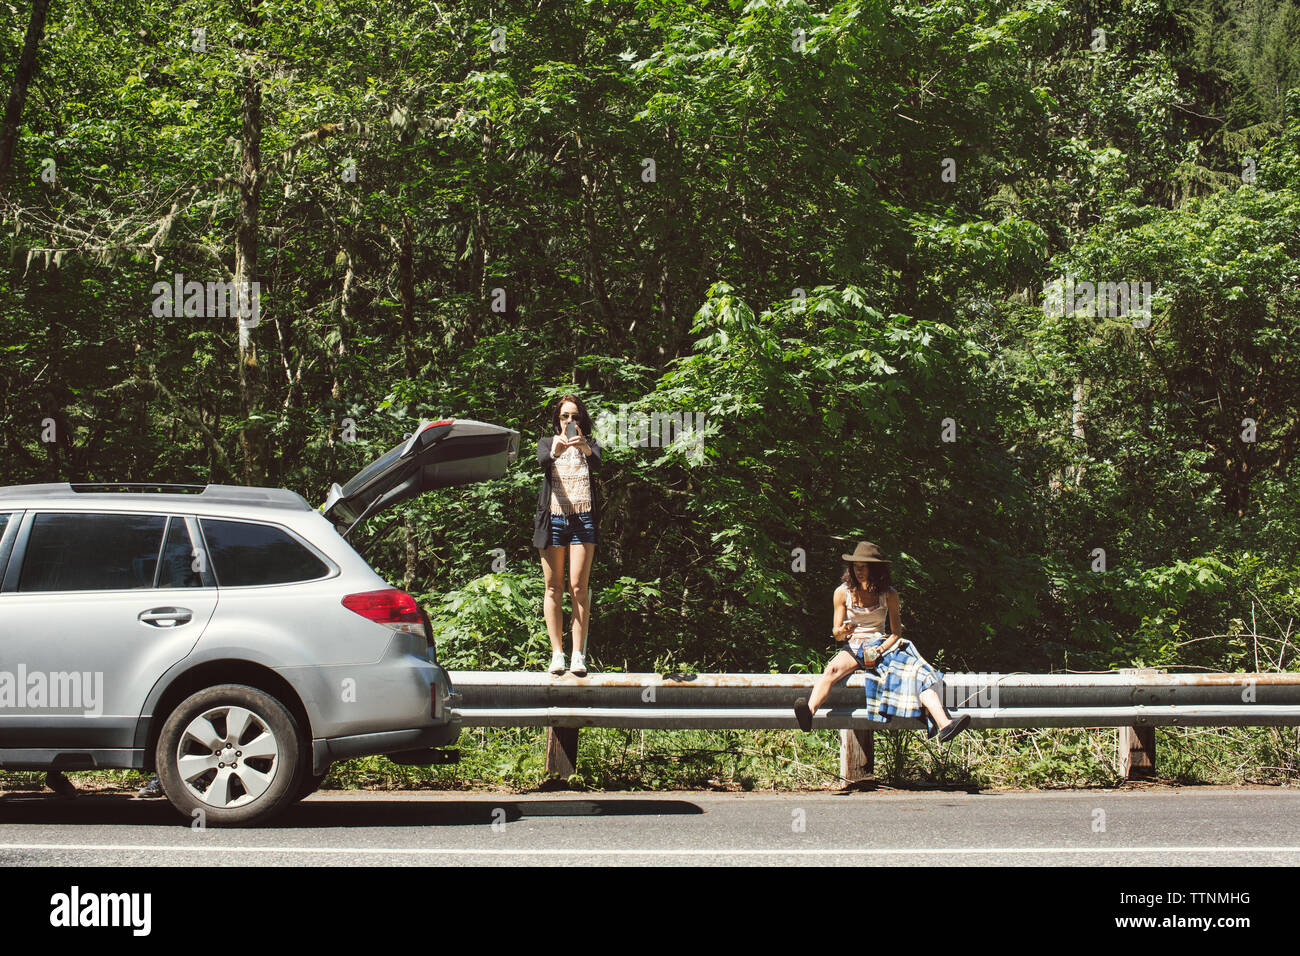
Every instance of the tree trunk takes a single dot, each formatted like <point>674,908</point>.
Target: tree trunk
<point>251,437</point>
<point>481,219</point>
<point>1078,419</point>
<point>406,280</point>
<point>410,554</point>
<point>591,253</point>
<point>18,92</point>
<point>336,370</point>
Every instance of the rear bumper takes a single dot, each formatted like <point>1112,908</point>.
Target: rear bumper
<point>402,691</point>
<point>329,749</point>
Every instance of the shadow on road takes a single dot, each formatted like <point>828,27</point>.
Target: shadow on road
<point>322,811</point>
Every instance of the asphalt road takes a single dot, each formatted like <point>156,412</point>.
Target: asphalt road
<point>1163,827</point>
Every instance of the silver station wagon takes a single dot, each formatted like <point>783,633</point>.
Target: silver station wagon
<point>229,638</point>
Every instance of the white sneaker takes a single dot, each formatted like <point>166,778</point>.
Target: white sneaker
<point>579,668</point>
<point>557,662</point>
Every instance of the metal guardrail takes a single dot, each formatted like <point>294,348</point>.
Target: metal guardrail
<point>1135,701</point>
<point>734,718</point>
<point>741,701</point>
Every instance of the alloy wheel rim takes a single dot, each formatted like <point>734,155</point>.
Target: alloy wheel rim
<point>227,757</point>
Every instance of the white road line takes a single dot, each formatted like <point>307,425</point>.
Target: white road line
<point>548,851</point>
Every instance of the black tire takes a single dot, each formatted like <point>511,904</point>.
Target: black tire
<point>238,791</point>
<point>309,782</point>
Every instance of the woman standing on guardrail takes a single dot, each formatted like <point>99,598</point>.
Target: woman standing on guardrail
<point>900,683</point>
<point>568,511</point>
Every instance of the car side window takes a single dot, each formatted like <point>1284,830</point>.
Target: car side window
<point>245,553</point>
<point>179,567</point>
<point>4,520</point>
<point>91,552</point>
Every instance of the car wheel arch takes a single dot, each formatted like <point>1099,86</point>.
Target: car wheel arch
<point>210,674</point>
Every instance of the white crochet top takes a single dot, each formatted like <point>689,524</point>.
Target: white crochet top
<point>571,487</point>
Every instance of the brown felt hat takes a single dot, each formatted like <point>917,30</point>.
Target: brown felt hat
<point>866,551</point>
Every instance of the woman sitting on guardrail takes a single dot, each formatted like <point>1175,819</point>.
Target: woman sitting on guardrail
<point>902,682</point>
<point>568,511</point>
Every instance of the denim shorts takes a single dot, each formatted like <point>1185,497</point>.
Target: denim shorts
<point>570,529</point>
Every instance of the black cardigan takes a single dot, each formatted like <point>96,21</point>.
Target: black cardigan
<point>542,520</point>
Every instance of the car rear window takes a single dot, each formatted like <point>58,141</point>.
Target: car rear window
<point>245,553</point>
<point>91,552</point>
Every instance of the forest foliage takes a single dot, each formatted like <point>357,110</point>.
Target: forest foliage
<point>829,229</point>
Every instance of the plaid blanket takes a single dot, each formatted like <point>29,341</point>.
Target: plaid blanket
<point>900,677</point>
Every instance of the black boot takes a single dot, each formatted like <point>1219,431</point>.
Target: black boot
<point>953,729</point>
<point>803,714</point>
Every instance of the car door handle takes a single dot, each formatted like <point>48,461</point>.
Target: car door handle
<point>166,616</point>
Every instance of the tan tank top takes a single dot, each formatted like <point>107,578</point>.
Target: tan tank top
<point>870,621</point>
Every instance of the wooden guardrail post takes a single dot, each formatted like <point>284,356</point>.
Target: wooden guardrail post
<point>1137,752</point>
<point>561,752</point>
<point>857,755</point>
<point>1137,745</point>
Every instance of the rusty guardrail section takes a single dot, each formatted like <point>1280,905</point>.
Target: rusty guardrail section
<point>1135,701</point>
<point>507,699</point>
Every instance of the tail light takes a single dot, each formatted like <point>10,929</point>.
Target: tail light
<point>392,608</point>
<point>428,635</point>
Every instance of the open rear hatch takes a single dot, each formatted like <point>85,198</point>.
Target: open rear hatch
<point>451,451</point>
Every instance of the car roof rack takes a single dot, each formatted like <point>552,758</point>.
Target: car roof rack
<point>84,486</point>
<point>203,494</point>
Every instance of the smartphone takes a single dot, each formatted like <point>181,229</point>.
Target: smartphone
<point>570,429</point>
